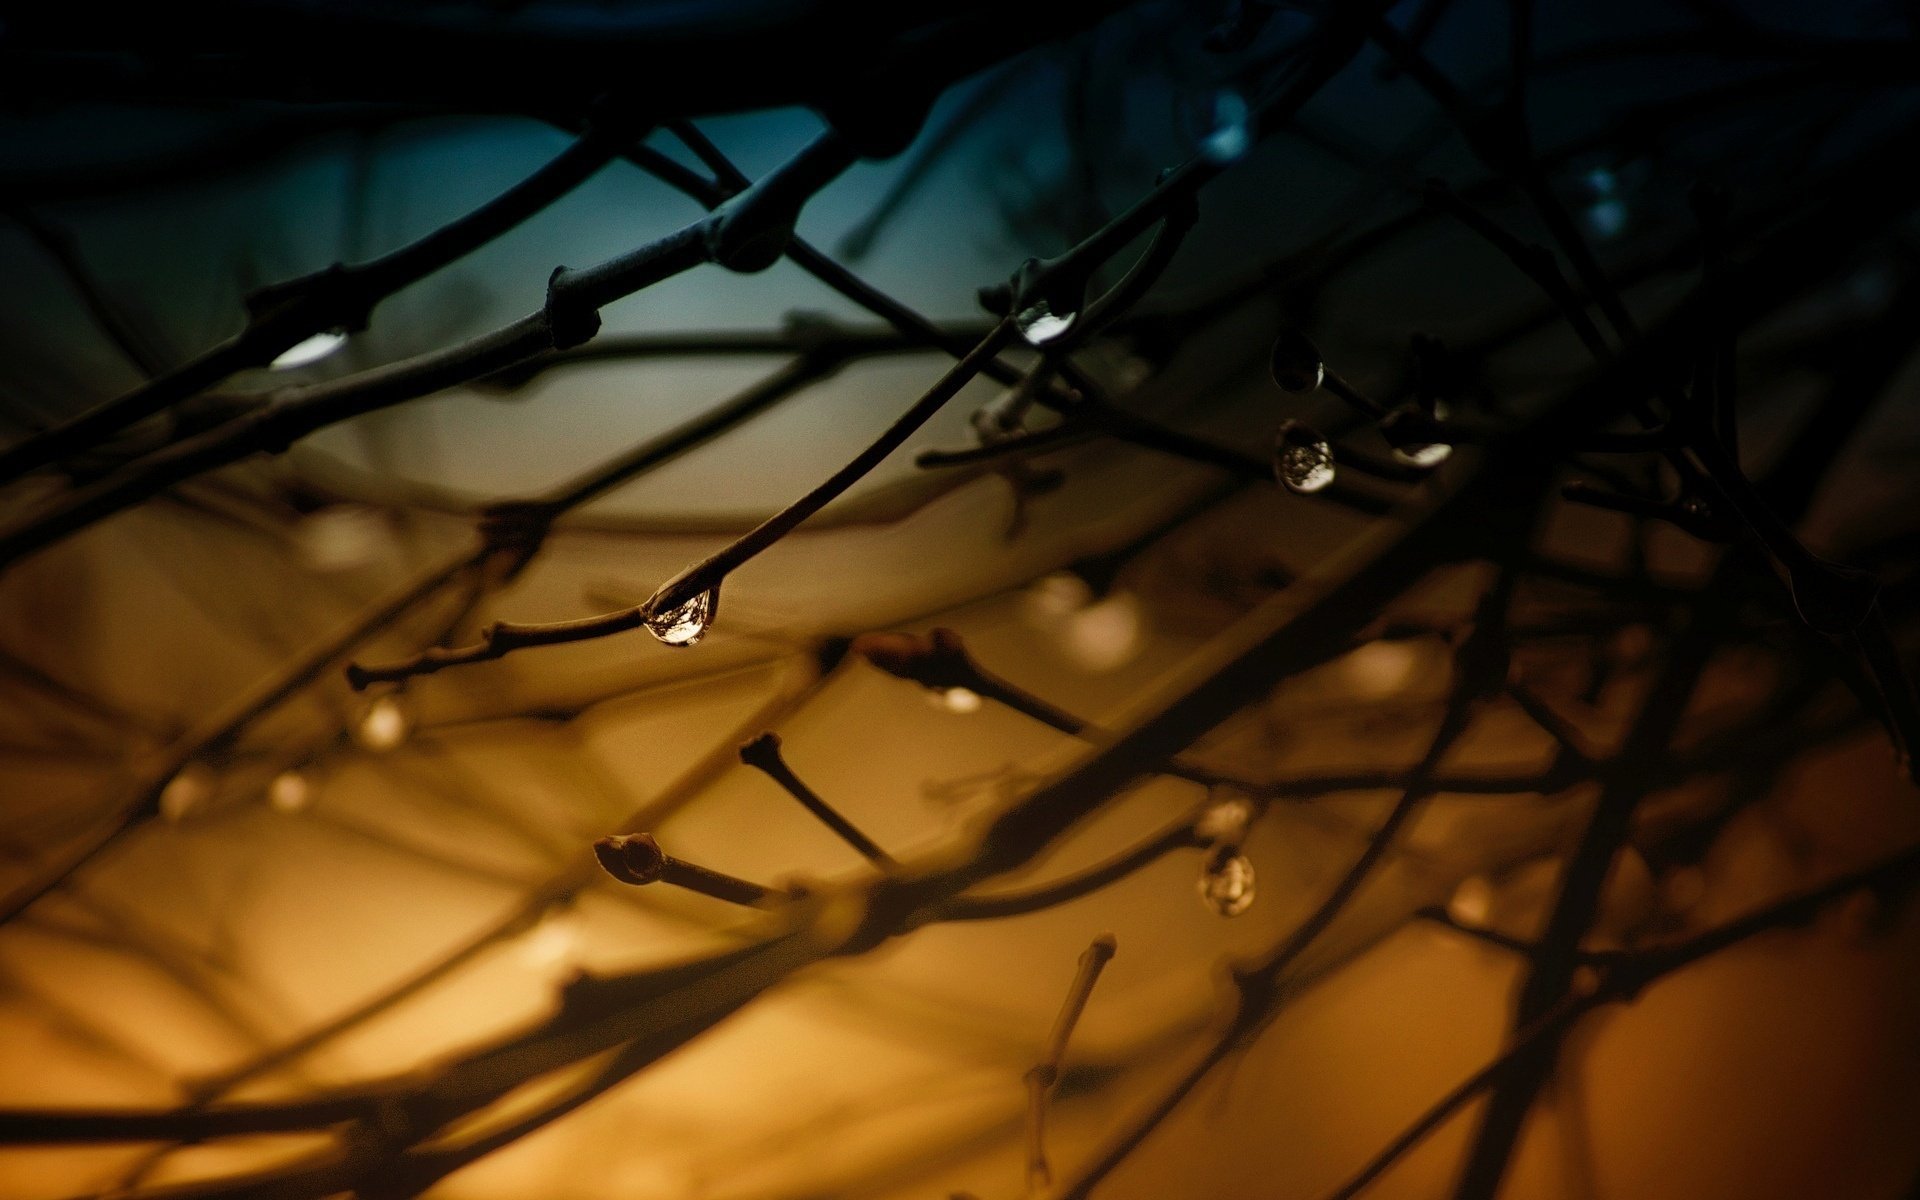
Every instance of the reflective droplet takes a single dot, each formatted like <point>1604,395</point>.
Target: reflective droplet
<point>1296,363</point>
<point>1472,902</point>
<point>383,725</point>
<point>1606,215</point>
<point>999,419</point>
<point>1039,324</point>
<point>1103,636</point>
<point>1430,455</point>
<point>1053,598</point>
<point>1225,821</point>
<point>1232,129</point>
<point>957,700</point>
<point>1379,668</point>
<point>290,792</point>
<point>187,791</point>
<point>685,625</point>
<point>312,350</point>
<point>1226,886</point>
<point>1302,459</point>
<point>341,537</point>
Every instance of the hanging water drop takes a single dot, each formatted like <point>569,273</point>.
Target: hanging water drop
<point>1232,129</point>
<point>1424,455</point>
<point>312,350</point>
<point>957,700</point>
<point>1039,324</point>
<point>383,725</point>
<point>1472,902</point>
<point>687,624</point>
<point>1302,459</point>
<point>1432,454</point>
<point>1226,886</point>
<point>1225,821</point>
<point>1296,363</point>
<point>1607,215</point>
<point>188,790</point>
<point>290,792</point>
<point>1053,598</point>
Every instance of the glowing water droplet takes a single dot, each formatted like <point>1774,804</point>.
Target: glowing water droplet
<point>1225,821</point>
<point>1232,129</point>
<point>1054,598</point>
<point>383,725</point>
<point>342,537</point>
<point>685,625</point>
<point>312,350</point>
<point>1607,215</point>
<point>1379,668</point>
<point>1472,902</point>
<point>1296,363</point>
<point>1226,886</point>
<point>1302,459</point>
<point>1429,455</point>
<point>1104,636</point>
<point>1040,324</point>
<point>290,792</point>
<point>957,700</point>
<point>188,790</point>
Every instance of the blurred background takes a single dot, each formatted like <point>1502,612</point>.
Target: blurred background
<point>232,879</point>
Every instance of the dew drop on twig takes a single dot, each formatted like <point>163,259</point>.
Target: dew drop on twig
<point>383,725</point>
<point>1430,455</point>
<point>290,791</point>
<point>957,700</point>
<point>1232,132</point>
<point>1296,363</point>
<point>1302,459</point>
<point>312,350</point>
<point>187,791</point>
<point>685,625</point>
<point>1226,886</point>
<point>1039,324</point>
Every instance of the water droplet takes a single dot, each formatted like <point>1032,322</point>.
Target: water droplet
<point>1039,324</point>
<point>1296,363</point>
<point>383,725</point>
<point>1054,598</point>
<point>312,350</point>
<point>685,625</point>
<point>1226,886</point>
<point>957,699</point>
<point>1379,668</point>
<point>1302,459</point>
<point>342,537</point>
<point>1606,216</point>
<point>1472,902</point>
<point>290,791</point>
<point>188,790</point>
<point>1103,636</point>
<point>1232,129</point>
<point>1430,455</point>
<point>1225,821</point>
